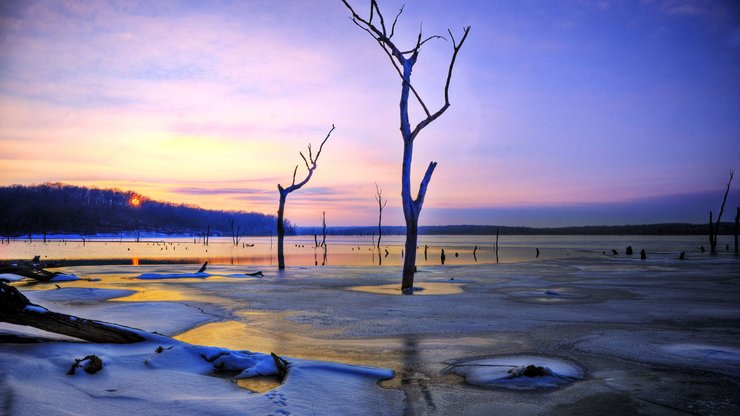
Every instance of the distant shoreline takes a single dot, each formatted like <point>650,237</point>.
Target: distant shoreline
<point>666,229</point>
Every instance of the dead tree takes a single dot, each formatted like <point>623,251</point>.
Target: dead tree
<point>16,309</point>
<point>737,227</point>
<point>381,205</point>
<point>403,61</point>
<point>235,230</point>
<point>714,227</point>
<point>310,167</point>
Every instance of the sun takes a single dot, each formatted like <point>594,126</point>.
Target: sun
<point>135,201</point>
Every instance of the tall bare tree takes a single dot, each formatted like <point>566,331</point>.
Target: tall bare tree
<point>403,61</point>
<point>310,167</point>
<point>714,227</point>
<point>381,205</point>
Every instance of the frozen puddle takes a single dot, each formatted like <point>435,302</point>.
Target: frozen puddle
<point>517,372</point>
<point>556,295</point>
<point>426,288</point>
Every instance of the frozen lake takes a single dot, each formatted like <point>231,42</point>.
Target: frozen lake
<point>619,335</point>
<point>347,250</point>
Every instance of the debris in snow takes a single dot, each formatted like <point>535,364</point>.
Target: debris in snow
<point>93,365</point>
<point>517,372</point>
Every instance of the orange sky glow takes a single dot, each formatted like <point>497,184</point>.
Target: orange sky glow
<point>553,105</point>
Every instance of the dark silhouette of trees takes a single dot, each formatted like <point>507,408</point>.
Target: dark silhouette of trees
<point>403,61</point>
<point>310,167</point>
<point>55,208</point>
<point>714,226</point>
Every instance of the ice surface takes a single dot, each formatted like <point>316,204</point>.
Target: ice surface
<point>656,337</point>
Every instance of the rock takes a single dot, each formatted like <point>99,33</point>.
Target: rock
<point>92,364</point>
<point>628,251</point>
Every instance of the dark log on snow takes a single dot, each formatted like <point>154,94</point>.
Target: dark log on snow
<point>16,309</point>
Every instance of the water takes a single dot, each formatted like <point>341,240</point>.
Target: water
<point>348,250</point>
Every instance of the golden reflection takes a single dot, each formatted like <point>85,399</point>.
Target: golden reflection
<point>259,384</point>
<point>422,289</point>
<point>165,294</point>
<point>135,261</point>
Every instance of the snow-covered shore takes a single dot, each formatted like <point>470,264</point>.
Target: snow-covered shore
<point>658,336</point>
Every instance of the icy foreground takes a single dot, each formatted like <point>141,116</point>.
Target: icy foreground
<point>658,336</point>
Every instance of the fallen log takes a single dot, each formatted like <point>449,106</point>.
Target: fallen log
<point>33,269</point>
<point>16,309</point>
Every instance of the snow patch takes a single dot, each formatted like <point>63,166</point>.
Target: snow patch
<point>518,372</point>
<point>9,277</point>
<point>61,277</point>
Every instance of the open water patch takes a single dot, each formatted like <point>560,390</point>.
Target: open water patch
<point>517,372</point>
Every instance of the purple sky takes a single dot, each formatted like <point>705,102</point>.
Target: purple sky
<point>563,112</point>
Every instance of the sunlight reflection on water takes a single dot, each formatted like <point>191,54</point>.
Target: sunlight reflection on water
<point>343,250</point>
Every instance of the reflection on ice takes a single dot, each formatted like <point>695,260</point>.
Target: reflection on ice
<point>424,288</point>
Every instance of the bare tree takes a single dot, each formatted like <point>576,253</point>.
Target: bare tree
<point>403,61</point>
<point>737,227</point>
<point>713,227</point>
<point>236,234</point>
<point>381,205</point>
<point>310,167</point>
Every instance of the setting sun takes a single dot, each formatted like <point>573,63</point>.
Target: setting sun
<point>135,201</point>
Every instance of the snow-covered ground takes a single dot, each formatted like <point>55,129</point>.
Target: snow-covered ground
<point>622,335</point>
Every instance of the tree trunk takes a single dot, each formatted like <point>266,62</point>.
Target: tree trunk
<point>409,260</point>
<point>712,235</point>
<point>16,309</point>
<point>737,227</point>
<point>281,230</point>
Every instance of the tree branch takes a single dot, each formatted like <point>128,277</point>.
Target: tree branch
<point>384,40</point>
<point>393,27</point>
<point>419,201</point>
<point>430,118</point>
<point>309,166</point>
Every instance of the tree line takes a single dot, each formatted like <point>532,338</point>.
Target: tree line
<point>725,228</point>
<point>55,208</point>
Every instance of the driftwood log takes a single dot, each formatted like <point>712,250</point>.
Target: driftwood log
<point>16,309</point>
<point>33,269</point>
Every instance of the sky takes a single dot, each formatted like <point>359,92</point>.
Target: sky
<point>562,112</point>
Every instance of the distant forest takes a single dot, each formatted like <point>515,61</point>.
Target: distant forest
<point>644,229</point>
<point>55,208</point>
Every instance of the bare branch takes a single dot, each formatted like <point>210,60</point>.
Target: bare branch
<point>310,166</point>
<point>420,42</point>
<point>393,27</point>
<point>456,47</point>
<point>419,201</point>
<point>430,118</point>
<point>374,4</point>
<point>724,200</point>
<point>322,143</point>
<point>304,160</point>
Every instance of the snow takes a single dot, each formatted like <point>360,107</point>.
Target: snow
<point>154,276</point>
<point>657,337</point>
<point>61,277</point>
<point>136,379</point>
<point>510,372</point>
<point>34,308</point>
<point>173,275</point>
<point>9,277</point>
